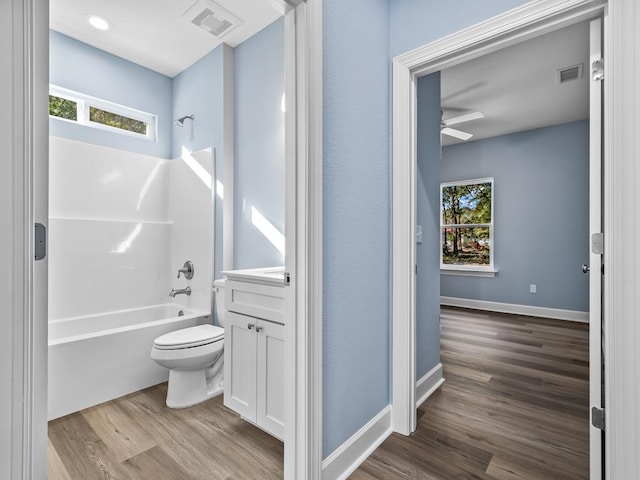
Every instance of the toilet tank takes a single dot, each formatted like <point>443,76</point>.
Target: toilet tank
<point>218,288</point>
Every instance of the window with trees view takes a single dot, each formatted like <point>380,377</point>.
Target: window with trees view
<point>466,221</point>
<point>93,112</point>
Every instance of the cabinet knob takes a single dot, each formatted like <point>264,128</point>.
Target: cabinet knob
<point>258,329</point>
<point>250,326</point>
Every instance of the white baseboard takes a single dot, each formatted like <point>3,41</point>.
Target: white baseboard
<point>348,456</point>
<point>428,384</point>
<point>557,313</point>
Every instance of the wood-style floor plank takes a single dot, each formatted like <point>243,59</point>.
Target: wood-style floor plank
<point>137,437</point>
<point>82,452</point>
<point>514,405</point>
<point>119,431</point>
<point>55,467</point>
<point>153,463</point>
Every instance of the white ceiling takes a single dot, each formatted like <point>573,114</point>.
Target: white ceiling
<point>152,33</point>
<point>517,88</point>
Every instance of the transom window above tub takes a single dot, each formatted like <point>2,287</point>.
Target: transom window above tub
<point>93,112</point>
<point>466,227</point>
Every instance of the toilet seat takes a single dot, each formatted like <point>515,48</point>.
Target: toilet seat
<point>189,337</point>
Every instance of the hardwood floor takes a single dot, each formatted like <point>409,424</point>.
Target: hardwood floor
<point>514,405</point>
<point>138,438</point>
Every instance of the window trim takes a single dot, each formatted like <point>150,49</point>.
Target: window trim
<point>84,102</point>
<point>471,270</point>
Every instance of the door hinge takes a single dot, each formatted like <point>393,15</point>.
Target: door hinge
<point>597,70</point>
<point>597,417</point>
<point>597,243</point>
<point>40,242</point>
<point>287,279</point>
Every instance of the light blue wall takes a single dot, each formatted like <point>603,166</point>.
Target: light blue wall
<point>357,216</point>
<point>259,145</point>
<point>77,66</point>
<point>428,216</point>
<point>359,38</point>
<point>541,208</point>
<point>199,91</point>
<point>415,23</point>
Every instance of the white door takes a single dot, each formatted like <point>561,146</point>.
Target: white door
<point>240,364</point>
<point>270,394</point>
<point>596,399</point>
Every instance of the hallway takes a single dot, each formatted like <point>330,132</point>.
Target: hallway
<point>514,405</point>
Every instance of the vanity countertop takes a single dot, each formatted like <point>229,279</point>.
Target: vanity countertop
<point>267,276</point>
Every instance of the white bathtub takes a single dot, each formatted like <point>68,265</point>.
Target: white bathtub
<point>100,357</point>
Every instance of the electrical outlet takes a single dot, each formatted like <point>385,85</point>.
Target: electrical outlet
<point>532,288</point>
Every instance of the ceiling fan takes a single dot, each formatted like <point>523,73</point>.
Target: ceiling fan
<point>459,134</point>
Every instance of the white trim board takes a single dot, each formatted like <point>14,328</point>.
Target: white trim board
<point>427,385</point>
<point>531,311</point>
<point>622,228</point>
<point>350,455</point>
<point>303,238</point>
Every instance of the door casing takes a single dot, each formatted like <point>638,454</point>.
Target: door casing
<point>530,20</point>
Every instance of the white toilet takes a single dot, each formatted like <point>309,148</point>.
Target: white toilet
<point>194,357</point>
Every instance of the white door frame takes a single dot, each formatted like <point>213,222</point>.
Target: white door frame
<point>24,183</point>
<point>621,225</point>
<point>622,231</point>
<point>24,93</point>
<point>303,238</point>
<point>529,20</point>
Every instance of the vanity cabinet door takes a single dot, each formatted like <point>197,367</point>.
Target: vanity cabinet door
<point>270,394</point>
<point>240,350</point>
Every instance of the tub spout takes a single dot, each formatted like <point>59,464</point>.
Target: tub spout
<point>180,291</point>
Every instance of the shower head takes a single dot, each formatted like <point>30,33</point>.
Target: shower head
<point>180,121</point>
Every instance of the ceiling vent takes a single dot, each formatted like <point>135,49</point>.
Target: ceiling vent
<point>570,74</point>
<point>212,18</point>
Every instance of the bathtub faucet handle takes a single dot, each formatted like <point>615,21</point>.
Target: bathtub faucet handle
<point>187,269</point>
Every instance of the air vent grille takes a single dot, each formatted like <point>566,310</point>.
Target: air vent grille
<point>209,22</point>
<point>570,74</point>
<point>212,18</point>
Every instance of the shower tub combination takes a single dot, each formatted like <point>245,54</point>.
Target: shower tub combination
<point>96,358</point>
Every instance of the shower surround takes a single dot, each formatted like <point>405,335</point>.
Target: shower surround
<point>120,226</point>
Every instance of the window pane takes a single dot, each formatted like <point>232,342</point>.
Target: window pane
<point>465,204</point>
<point>117,121</point>
<point>466,246</point>
<point>63,108</point>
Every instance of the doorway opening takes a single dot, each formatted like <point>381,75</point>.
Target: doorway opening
<point>202,124</point>
<point>409,71</point>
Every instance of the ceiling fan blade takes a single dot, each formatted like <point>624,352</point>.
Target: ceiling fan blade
<point>459,134</point>
<point>467,117</point>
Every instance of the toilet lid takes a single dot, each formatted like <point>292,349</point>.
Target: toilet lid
<point>189,337</point>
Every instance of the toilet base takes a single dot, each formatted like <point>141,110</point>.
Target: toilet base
<point>189,387</point>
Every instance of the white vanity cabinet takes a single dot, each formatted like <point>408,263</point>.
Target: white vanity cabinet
<point>254,352</point>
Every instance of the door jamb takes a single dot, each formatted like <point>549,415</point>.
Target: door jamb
<point>527,21</point>
<point>303,237</point>
<point>27,88</point>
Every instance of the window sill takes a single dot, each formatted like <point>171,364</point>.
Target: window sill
<point>468,272</point>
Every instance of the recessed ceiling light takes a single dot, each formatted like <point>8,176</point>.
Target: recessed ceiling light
<point>99,22</point>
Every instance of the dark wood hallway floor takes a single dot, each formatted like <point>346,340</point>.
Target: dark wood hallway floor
<point>514,405</point>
